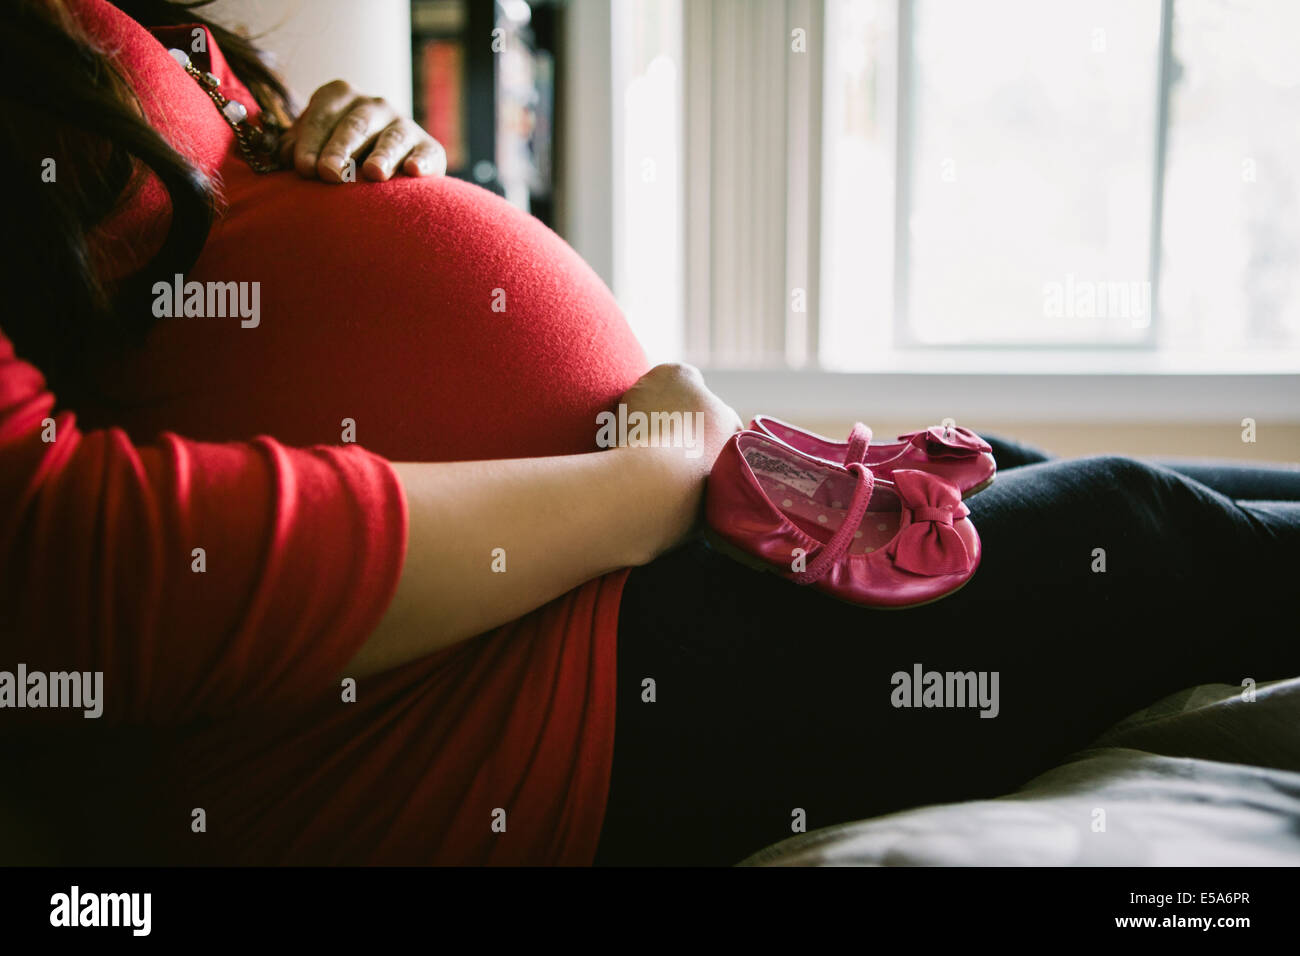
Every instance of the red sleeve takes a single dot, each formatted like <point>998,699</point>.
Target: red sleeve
<point>302,550</point>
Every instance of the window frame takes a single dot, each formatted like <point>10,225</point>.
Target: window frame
<point>1047,382</point>
<point>904,337</point>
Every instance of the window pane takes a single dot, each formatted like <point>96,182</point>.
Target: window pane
<point>1032,160</point>
<point>646,50</point>
<point>1230,276</point>
<point>857,277</point>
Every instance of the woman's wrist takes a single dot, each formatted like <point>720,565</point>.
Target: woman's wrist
<point>665,490</point>
<point>666,481</point>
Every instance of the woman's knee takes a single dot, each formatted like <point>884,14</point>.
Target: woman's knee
<point>1136,482</point>
<point>1120,471</point>
<point>1164,508</point>
<point>1132,497</point>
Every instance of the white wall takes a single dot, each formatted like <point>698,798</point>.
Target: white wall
<point>315,41</point>
<point>587,191</point>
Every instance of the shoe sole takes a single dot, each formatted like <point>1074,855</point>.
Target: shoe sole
<point>978,488</point>
<point>725,547</point>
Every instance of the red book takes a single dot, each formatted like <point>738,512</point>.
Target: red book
<point>444,115</point>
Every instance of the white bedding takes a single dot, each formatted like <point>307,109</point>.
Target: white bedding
<point>1204,777</point>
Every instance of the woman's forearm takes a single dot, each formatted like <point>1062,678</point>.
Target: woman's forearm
<point>557,522</point>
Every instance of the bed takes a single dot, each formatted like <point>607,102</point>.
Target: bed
<point>1206,777</point>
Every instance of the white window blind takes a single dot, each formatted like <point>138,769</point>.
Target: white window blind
<point>752,94</point>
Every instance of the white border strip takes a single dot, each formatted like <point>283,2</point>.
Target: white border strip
<point>1019,396</point>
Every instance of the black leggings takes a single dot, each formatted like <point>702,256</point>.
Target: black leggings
<point>773,703</point>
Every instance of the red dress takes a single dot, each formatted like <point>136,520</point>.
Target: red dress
<point>445,325</point>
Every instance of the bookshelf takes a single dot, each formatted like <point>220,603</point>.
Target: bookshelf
<point>484,86</point>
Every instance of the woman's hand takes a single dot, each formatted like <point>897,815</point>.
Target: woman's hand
<point>682,469</point>
<point>339,124</point>
<point>552,522</point>
<point>681,388</point>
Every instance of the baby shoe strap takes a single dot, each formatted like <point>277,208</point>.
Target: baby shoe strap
<point>834,549</point>
<point>859,439</point>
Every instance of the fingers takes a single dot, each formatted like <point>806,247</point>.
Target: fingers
<point>406,145</point>
<point>427,159</point>
<point>356,130</point>
<point>338,124</point>
<point>312,129</point>
<point>395,141</point>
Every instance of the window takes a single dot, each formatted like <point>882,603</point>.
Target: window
<point>1230,269</point>
<point>1027,138</point>
<point>1089,177</point>
<point>1104,173</point>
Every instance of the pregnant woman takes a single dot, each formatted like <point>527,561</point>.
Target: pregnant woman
<point>334,529</point>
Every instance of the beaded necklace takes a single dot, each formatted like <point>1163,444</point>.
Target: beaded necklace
<point>258,146</point>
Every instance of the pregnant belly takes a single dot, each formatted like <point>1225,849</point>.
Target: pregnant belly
<point>430,317</point>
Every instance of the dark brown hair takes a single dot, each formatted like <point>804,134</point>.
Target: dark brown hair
<point>61,98</point>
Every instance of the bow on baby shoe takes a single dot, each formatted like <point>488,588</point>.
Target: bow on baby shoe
<point>940,441</point>
<point>927,543</point>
